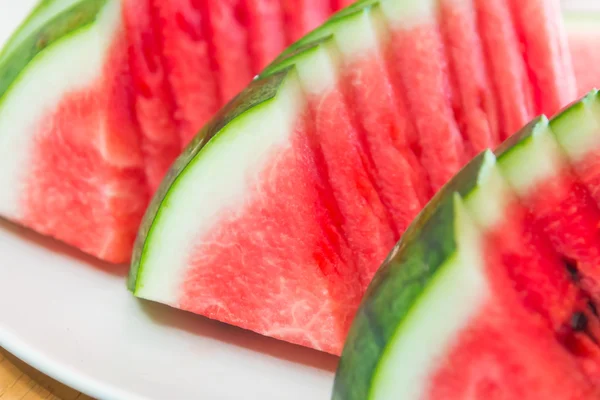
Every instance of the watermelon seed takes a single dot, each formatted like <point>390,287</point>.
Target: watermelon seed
<point>579,321</point>
<point>593,308</point>
<point>572,269</point>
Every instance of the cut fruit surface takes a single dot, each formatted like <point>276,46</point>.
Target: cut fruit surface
<point>228,19</point>
<point>154,102</point>
<point>542,35</point>
<point>302,16</point>
<point>190,61</point>
<point>475,100</point>
<point>266,32</point>
<point>74,163</point>
<point>560,203</point>
<point>506,63</point>
<point>320,268</point>
<point>418,54</point>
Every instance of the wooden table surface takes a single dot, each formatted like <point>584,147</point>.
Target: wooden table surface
<point>19,381</point>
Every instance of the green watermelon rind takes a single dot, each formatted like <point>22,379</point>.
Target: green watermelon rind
<point>258,94</point>
<point>412,267</point>
<point>69,22</point>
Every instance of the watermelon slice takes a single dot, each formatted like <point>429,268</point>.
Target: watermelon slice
<point>297,190</point>
<point>583,31</point>
<point>503,296</point>
<point>71,159</point>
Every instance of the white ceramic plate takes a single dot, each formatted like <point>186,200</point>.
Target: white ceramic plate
<point>61,312</point>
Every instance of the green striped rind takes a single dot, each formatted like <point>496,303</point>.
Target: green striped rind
<point>258,93</point>
<point>397,286</point>
<point>20,51</point>
<point>406,275</point>
<point>401,281</point>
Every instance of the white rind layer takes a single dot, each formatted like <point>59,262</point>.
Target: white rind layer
<point>319,69</point>
<point>458,293</point>
<point>533,161</point>
<point>220,180</point>
<point>358,35</point>
<point>408,14</point>
<point>73,63</point>
<point>488,202</point>
<point>577,132</point>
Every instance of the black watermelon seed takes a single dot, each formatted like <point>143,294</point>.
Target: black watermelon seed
<point>579,321</point>
<point>593,308</point>
<point>571,266</point>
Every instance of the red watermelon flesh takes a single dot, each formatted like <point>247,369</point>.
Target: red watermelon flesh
<point>366,222</point>
<point>500,354</point>
<point>508,71</point>
<point>302,16</point>
<point>266,34</point>
<point>86,185</point>
<point>154,103</point>
<point>228,20</point>
<point>540,277</point>
<point>542,34</point>
<point>337,5</point>
<point>307,296</point>
<point>538,312</point>
<point>399,177</point>
<point>418,55</point>
<point>567,213</point>
<point>190,63</point>
<point>476,104</point>
<point>548,285</point>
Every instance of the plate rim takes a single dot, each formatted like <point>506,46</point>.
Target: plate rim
<point>78,381</point>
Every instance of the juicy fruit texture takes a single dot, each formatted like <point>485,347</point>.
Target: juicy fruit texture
<point>548,60</point>
<point>154,103</point>
<point>299,187</point>
<point>583,34</point>
<point>474,97</point>
<point>190,57</point>
<point>512,282</point>
<point>416,49</point>
<point>69,145</point>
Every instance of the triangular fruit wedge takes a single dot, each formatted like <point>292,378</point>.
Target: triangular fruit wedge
<point>477,290</point>
<point>71,162</point>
